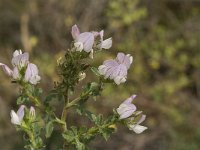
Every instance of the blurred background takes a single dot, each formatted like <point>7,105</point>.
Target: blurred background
<point>163,36</point>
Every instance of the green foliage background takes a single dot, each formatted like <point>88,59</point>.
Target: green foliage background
<point>162,35</point>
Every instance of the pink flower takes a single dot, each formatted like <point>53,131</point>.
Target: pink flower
<point>137,128</point>
<point>16,118</point>
<point>86,39</point>
<point>20,59</point>
<point>31,74</point>
<point>116,69</point>
<point>126,109</point>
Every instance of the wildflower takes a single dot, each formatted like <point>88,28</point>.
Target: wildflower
<point>116,69</point>
<point>32,112</point>
<point>20,59</point>
<point>86,39</point>
<point>16,118</point>
<point>126,109</point>
<point>31,74</point>
<point>137,128</point>
<point>106,44</point>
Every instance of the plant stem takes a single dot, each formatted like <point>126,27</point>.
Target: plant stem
<point>64,118</point>
<point>76,100</point>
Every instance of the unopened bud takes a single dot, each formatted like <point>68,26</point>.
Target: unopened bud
<point>32,112</point>
<point>82,76</point>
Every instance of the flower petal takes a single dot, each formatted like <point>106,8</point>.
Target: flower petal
<point>20,112</point>
<point>138,129</point>
<point>130,99</point>
<point>87,39</point>
<point>143,117</point>
<point>75,31</point>
<point>106,44</point>
<point>17,52</point>
<point>20,60</point>
<point>16,74</point>
<point>6,69</point>
<point>110,63</point>
<point>31,74</point>
<point>14,118</point>
<point>125,110</point>
<point>124,59</point>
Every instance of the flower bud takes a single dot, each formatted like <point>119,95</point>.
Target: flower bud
<point>82,76</point>
<point>32,112</point>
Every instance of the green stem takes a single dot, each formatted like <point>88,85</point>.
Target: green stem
<point>31,136</point>
<point>75,101</point>
<point>64,118</point>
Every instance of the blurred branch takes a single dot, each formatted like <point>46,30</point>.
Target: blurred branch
<point>25,32</point>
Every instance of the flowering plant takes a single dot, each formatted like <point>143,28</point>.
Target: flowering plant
<point>36,116</point>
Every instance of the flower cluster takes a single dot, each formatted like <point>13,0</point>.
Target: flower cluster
<point>23,70</point>
<point>116,69</point>
<point>71,70</point>
<point>126,110</point>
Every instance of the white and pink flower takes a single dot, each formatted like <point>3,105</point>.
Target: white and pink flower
<point>16,118</point>
<point>126,109</point>
<point>116,69</point>
<point>21,61</point>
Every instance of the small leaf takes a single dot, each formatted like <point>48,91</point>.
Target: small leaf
<point>21,100</point>
<point>79,145</point>
<point>49,129</point>
<point>69,136</point>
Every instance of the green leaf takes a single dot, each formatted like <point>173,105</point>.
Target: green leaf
<point>49,129</point>
<point>74,130</point>
<point>79,145</point>
<point>106,135</point>
<point>21,100</point>
<point>69,136</point>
